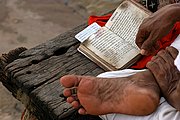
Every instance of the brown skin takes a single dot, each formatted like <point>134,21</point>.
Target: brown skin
<point>131,95</point>
<point>167,75</point>
<point>134,95</point>
<point>155,27</point>
<point>151,30</point>
<point>163,3</point>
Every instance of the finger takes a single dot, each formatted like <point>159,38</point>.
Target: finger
<point>156,45</point>
<point>172,51</point>
<point>139,41</point>
<point>154,58</point>
<point>150,45</point>
<point>144,52</point>
<point>157,60</point>
<point>166,56</point>
<point>141,36</point>
<point>161,64</point>
<point>148,52</point>
<point>152,66</point>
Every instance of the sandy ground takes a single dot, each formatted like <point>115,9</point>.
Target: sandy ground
<point>30,22</point>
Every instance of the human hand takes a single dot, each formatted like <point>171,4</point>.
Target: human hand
<point>163,3</point>
<point>155,27</point>
<point>167,75</point>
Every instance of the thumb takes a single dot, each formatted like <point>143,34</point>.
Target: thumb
<point>149,46</point>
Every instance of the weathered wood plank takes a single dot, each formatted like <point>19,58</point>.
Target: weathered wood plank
<point>33,78</point>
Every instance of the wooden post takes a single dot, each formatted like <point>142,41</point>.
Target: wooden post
<point>33,75</point>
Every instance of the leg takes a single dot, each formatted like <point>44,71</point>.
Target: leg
<point>168,77</point>
<point>136,95</point>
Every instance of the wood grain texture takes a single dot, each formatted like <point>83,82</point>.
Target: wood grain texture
<point>33,76</point>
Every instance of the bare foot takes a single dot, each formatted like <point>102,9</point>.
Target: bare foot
<point>134,95</point>
<point>167,75</point>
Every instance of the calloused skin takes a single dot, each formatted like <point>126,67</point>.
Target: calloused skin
<point>167,75</point>
<point>155,27</point>
<point>134,95</point>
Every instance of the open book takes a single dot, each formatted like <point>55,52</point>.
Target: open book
<point>113,46</point>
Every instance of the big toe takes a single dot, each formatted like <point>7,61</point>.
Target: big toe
<point>70,81</point>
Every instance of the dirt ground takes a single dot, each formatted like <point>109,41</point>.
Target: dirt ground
<point>30,22</point>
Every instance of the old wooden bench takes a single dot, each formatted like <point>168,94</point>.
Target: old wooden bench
<point>33,75</point>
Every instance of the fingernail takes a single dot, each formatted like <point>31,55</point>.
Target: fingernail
<point>143,52</point>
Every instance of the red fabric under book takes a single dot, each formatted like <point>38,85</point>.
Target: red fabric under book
<point>164,42</point>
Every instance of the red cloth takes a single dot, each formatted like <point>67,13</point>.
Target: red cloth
<point>164,42</point>
<point>100,20</point>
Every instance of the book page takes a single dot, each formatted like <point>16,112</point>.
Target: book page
<point>111,48</point>
<point>126,20</point>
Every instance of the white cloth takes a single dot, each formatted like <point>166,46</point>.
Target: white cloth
<point>164,111</point>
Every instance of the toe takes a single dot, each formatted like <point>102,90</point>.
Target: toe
<point>70,81</point>
<point>173,52</point>
<point>82,111</point>
<point>67,92</point>
<point>75,104</point>
<point>71,99</point>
